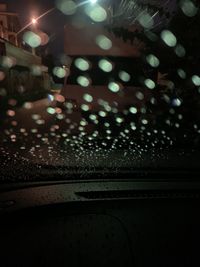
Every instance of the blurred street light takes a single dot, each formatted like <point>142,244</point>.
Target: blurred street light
<point>93,1</point>
<point>34,21</point>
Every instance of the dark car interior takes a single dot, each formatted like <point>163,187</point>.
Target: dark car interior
<point>120,223</point>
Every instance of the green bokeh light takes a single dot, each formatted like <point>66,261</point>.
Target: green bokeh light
<point>67,7</point>
<point>103,42</point>
<point>124,76</point>
<point>87,98</point>
<point>180,50</point>
<point>7,62</point>
<point>139,95</point>
<point>105,65</point>
<point>102,113</point>
<point>188,8</point>
<point>59,72</point>
<point>169,38</point>
<point>153,60</point>
<point>119,120</point>
<point>82,64</point>
<point>96,13</point>
<point>133,110</point>
<point>51,110</point>
<point>114,87</point>
<point>93,117</point>
<point>32,39</point>
<point>196,80</point>
<point>146,20</point>
<point>181,73</point>
<point>85,107</point>
<point>83,81</point>
<point>149,83</point>
<point>36,70</point>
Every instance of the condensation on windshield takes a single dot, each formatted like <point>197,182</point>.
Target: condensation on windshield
<point>99,84</point>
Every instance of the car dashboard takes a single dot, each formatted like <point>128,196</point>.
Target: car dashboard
<point>95,223</point>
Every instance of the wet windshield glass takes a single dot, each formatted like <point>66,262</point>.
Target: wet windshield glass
<point>99,85</point>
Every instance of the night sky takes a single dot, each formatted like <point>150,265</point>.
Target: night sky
<point>53,23</point>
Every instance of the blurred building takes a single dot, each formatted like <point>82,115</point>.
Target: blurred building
<point>9,25</point>
<point>23,69</point>
<point>94,42</point>
<point>95,39</point>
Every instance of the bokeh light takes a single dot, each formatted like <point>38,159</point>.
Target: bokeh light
<point>36,70</point>
<point>83,81</point>
<point>169,38</point>
<point>149,83</point>
<point>82,64</point>
<point>176,102</point>
<point>85,107</point>
<point>114,87</point>
<point>67,7</point>
<point>188,8</point>
<point>180,50</point>
<point>124,76</point>
<point>196,80</point>
<point>44,38</point>
<point>32,39</point>
<point>146,20</point>
<point>7,62</point>
<point>181,73</point>
<point>96,12</point>
<point>153,61</point>
<point>133,110</point>
<point>59,72</point>
<point>51,110</point>
<point>105,65</point>
<point>88,98</point>
<point>103,42</point>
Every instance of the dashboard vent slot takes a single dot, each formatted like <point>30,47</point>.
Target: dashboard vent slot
<point>135,194</point>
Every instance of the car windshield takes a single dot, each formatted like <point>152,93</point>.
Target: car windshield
<point>98,86</point>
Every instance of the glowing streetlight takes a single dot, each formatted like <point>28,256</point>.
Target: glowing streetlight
<point>34,21</point>
<point>93,1</point>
